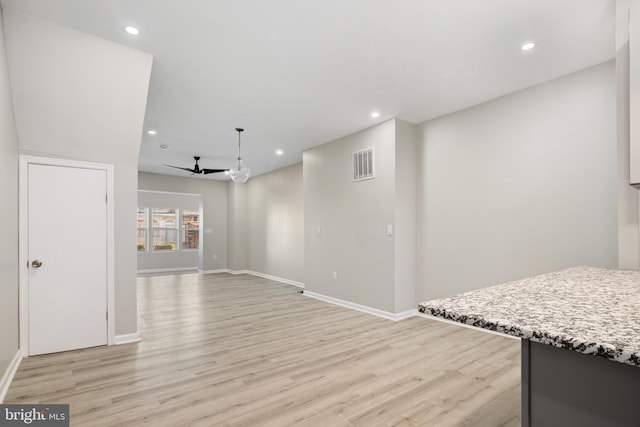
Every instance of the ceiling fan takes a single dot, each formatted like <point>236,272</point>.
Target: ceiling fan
<point>196,169</point>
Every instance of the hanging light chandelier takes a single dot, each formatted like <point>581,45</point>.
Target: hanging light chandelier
<point>240,173</point>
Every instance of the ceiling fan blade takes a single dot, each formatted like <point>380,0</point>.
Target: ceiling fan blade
<point>184,169</point>
<point>206,171</point>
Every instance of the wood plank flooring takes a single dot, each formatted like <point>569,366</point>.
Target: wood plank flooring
<point>225,350</point>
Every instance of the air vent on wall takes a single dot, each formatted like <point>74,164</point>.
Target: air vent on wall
<point>363,165</point>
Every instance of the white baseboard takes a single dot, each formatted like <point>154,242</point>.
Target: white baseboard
<point>167,270</point>
<point>255,273</point>
<point>220,270</point>
<point>126,339</point>
<point>276,278</point>
<point>464,325</point>
<point>363,308</point>
<point>8,375</point>
<point>405,314</point>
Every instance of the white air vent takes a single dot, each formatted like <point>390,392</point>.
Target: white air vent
<point>363,165</point>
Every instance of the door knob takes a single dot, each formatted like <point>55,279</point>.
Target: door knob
<point>36,263</point>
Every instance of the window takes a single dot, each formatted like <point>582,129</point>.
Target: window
<point>143,215</point>
<point>165,229</point>
<point>190,229</point>
<point>160,229</point>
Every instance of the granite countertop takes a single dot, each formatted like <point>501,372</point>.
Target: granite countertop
<point>590,310</point>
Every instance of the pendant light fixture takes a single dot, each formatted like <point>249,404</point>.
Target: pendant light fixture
<point>240,173</point>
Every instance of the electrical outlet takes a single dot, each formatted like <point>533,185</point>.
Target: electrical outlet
<point>215,256</point>
<point>335,275</point>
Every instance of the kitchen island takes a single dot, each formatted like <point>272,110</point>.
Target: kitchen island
<point>580,331</point>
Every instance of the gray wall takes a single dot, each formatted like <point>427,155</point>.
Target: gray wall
<point>255,226</point>
<point>214,205</point>
<point>352,218</point>
<point>8,217</point>
<point>80,97</point>
<point>520,185</point>
<point>628,201</point>
<point>237,242</point>
<point>275,223</point>
<point>405,216</point>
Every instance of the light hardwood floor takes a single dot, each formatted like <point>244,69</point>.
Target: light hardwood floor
<point>224,350</point>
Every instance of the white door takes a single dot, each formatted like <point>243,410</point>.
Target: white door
<point>67,258</point>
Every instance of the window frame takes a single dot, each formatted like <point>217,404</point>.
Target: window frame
<point>145,229</point>
<point>179,229</point>
<point>182,229</point>
<point>175,229</point>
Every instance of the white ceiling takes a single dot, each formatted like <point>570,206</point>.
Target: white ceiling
<point>298,73</point>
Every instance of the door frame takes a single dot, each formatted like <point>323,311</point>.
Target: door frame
<point>23,238</point>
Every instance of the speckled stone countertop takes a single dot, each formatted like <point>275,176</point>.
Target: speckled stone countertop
<point>589,310</point>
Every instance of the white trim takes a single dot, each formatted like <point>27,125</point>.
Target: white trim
<point>8,375</point>
<point>23,232</point>
<point>255,273</point>
<point>263,275</point>
<point>126,339</point>
<point>277,279</point>
<point>406,314</point>
<point>464,325</point>
<point>369,310</point>
<point>220,270</point>
<point>168,270</point>
<point>111,269</point>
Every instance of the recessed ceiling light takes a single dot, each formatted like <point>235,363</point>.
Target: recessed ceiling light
<point>164,146</point>
<point>279,152</point>
<point>375,114</point>
<point>151,132</point>
<point>528,46</point>
<point>132,30</point>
